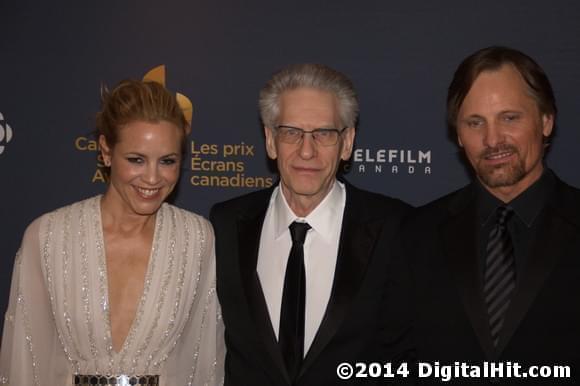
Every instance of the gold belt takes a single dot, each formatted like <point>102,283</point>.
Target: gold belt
<point>120,380</point>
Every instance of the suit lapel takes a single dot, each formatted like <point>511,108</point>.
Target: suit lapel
<point>555,233</point>
<point>249,232</point>
<point>357,239</point>
<point>459,237</point>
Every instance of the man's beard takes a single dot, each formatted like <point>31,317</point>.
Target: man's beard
<point>506,174</point>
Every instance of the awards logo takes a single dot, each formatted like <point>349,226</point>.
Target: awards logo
<point>6,133</point>
<point>391,161</point>
<point>215,164</point>
<point>158,75</point>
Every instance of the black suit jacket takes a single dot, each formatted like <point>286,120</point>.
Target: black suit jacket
<point>450,323</point>
<point>351,328</point>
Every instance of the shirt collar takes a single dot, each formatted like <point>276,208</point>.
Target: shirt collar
<point>526,206</point>
<point>321,219</point>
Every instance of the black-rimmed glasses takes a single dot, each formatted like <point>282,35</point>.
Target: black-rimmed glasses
<point>293,135</point>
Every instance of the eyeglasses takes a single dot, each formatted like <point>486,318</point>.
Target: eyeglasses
<point>293,135</point>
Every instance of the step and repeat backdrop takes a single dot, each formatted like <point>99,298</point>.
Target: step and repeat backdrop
<point>401,55</point>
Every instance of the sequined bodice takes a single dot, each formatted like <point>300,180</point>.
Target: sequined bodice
<point>176,317</point>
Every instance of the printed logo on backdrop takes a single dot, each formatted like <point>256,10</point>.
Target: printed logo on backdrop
<point>6,133</point>
<point>372,161</point>
<point>222,165</point>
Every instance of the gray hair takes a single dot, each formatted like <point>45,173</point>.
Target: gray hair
<point>317,76</point>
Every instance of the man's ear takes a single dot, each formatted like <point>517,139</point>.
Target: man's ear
<point>547,124</point>
<point>270,142</point>
<point>347,143</point>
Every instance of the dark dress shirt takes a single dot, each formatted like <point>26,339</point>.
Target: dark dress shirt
<point>523,224</point>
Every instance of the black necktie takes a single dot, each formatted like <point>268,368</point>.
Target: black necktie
<point>291,334</point>
<point>500,273</point>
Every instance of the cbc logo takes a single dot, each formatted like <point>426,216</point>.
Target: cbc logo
<point>5,133</point>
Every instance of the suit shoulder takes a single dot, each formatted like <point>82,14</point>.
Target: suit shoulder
<point>569,190</point>
<point>567,201</point>
<point>378,202</point>
<point>240,204</point>
<point>439,208</point>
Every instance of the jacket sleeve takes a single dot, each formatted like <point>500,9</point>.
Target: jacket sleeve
<point>31,353</point>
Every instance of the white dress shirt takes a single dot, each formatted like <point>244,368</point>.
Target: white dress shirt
<point>320,253</point>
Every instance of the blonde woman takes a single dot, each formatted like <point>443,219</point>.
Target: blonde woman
<point>119,288</point>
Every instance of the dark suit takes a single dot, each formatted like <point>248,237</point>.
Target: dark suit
<point>542,324</point>
<point>352,325</point>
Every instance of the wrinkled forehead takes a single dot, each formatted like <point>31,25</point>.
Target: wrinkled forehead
<point>309,107</point>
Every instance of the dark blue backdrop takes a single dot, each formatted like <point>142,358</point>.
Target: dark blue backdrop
<point>400,54</point>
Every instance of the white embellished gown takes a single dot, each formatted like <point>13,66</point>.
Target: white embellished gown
<point>57,323</point>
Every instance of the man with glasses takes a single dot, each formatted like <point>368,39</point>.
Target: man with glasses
<point>301,266</point>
